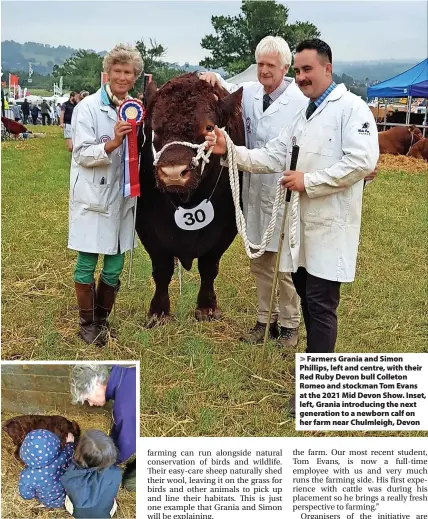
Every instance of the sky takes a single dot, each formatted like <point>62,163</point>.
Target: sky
<point>356,31</point>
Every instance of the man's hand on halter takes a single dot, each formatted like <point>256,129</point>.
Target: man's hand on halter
<point>216,140</point>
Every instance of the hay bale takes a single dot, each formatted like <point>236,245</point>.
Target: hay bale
<point>13,506</point>
<point>403,164</point>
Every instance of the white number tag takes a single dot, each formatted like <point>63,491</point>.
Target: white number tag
<point>196,218</point>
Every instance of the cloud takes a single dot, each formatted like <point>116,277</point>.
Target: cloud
<point>354,30</point>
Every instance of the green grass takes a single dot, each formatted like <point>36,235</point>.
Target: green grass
<point>40,91</point>
<point>197,378</point>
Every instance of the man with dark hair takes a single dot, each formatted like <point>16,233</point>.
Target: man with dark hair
<point>65,118</point>
<point>338,143</point>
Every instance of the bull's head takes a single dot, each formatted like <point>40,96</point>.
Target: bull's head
<point>415,133</point>
<point>184,110</point>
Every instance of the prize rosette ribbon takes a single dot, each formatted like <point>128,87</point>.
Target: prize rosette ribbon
<point>131,111</point>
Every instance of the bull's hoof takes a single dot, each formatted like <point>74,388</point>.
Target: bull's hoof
<point>207,314</point>
<point>158,320</point>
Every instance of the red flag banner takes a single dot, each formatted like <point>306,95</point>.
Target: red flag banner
<point>13,80</point>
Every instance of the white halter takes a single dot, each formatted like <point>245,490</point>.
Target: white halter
<point>200,154</point>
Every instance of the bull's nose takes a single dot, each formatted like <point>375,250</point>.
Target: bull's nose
<point>173,172</point>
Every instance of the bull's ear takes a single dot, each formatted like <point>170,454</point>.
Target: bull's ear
<point>229,106</point>
<point>150,93</point>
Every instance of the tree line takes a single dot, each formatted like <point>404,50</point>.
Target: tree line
<point>231,48</point>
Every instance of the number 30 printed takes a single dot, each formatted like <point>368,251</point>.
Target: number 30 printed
<point>191,220</point>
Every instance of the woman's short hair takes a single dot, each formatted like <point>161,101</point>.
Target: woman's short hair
<point>84,379</point>
<point>123,54</point>
<point>95,450</point>
<point>274,45</point>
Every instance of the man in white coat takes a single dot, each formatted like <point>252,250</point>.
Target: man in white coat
<point>338,143</point>
<point>267,106</point>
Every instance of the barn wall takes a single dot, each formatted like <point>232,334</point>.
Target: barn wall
<point>38,389</point>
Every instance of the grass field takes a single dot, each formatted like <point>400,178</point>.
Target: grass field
<point>40,92</point>
<point>197,378</point>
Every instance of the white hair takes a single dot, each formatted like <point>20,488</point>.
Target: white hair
<point>84,379</point>
<point>274,45</point>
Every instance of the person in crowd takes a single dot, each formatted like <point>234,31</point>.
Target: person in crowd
<point>65,118</point>
<point>83,94</point>
<point>97,384</point>
<point>45,462</point>
<point>58,113</point>
<point>101,217</point>
<point>45,109</point>
<point>17,112</point>
<point>25,111</point>
<point>52,112</point>
<point>92,479</point>
<point>35,113</point>
<point>338,143</point>
<point>267,106</point>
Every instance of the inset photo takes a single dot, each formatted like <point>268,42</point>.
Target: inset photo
<point>68,444</point>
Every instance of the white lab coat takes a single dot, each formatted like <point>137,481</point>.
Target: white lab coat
<point>101,219</point>
<point>338,148</point>
<point>258,192</point>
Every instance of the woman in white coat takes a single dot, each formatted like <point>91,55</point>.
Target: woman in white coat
<point>101,218</point>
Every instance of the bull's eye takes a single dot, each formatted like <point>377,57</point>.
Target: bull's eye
<point>209,128</point>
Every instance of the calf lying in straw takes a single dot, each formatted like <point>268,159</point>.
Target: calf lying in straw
<point>19,426</point>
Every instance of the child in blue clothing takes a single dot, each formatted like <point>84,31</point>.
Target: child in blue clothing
<point>45,462</point>
<point>92,480</point>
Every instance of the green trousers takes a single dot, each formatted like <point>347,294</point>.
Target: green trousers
<point>87,263</point>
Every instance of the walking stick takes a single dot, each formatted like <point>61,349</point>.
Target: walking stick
<point>293,164</point>
<point>180,277</point>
